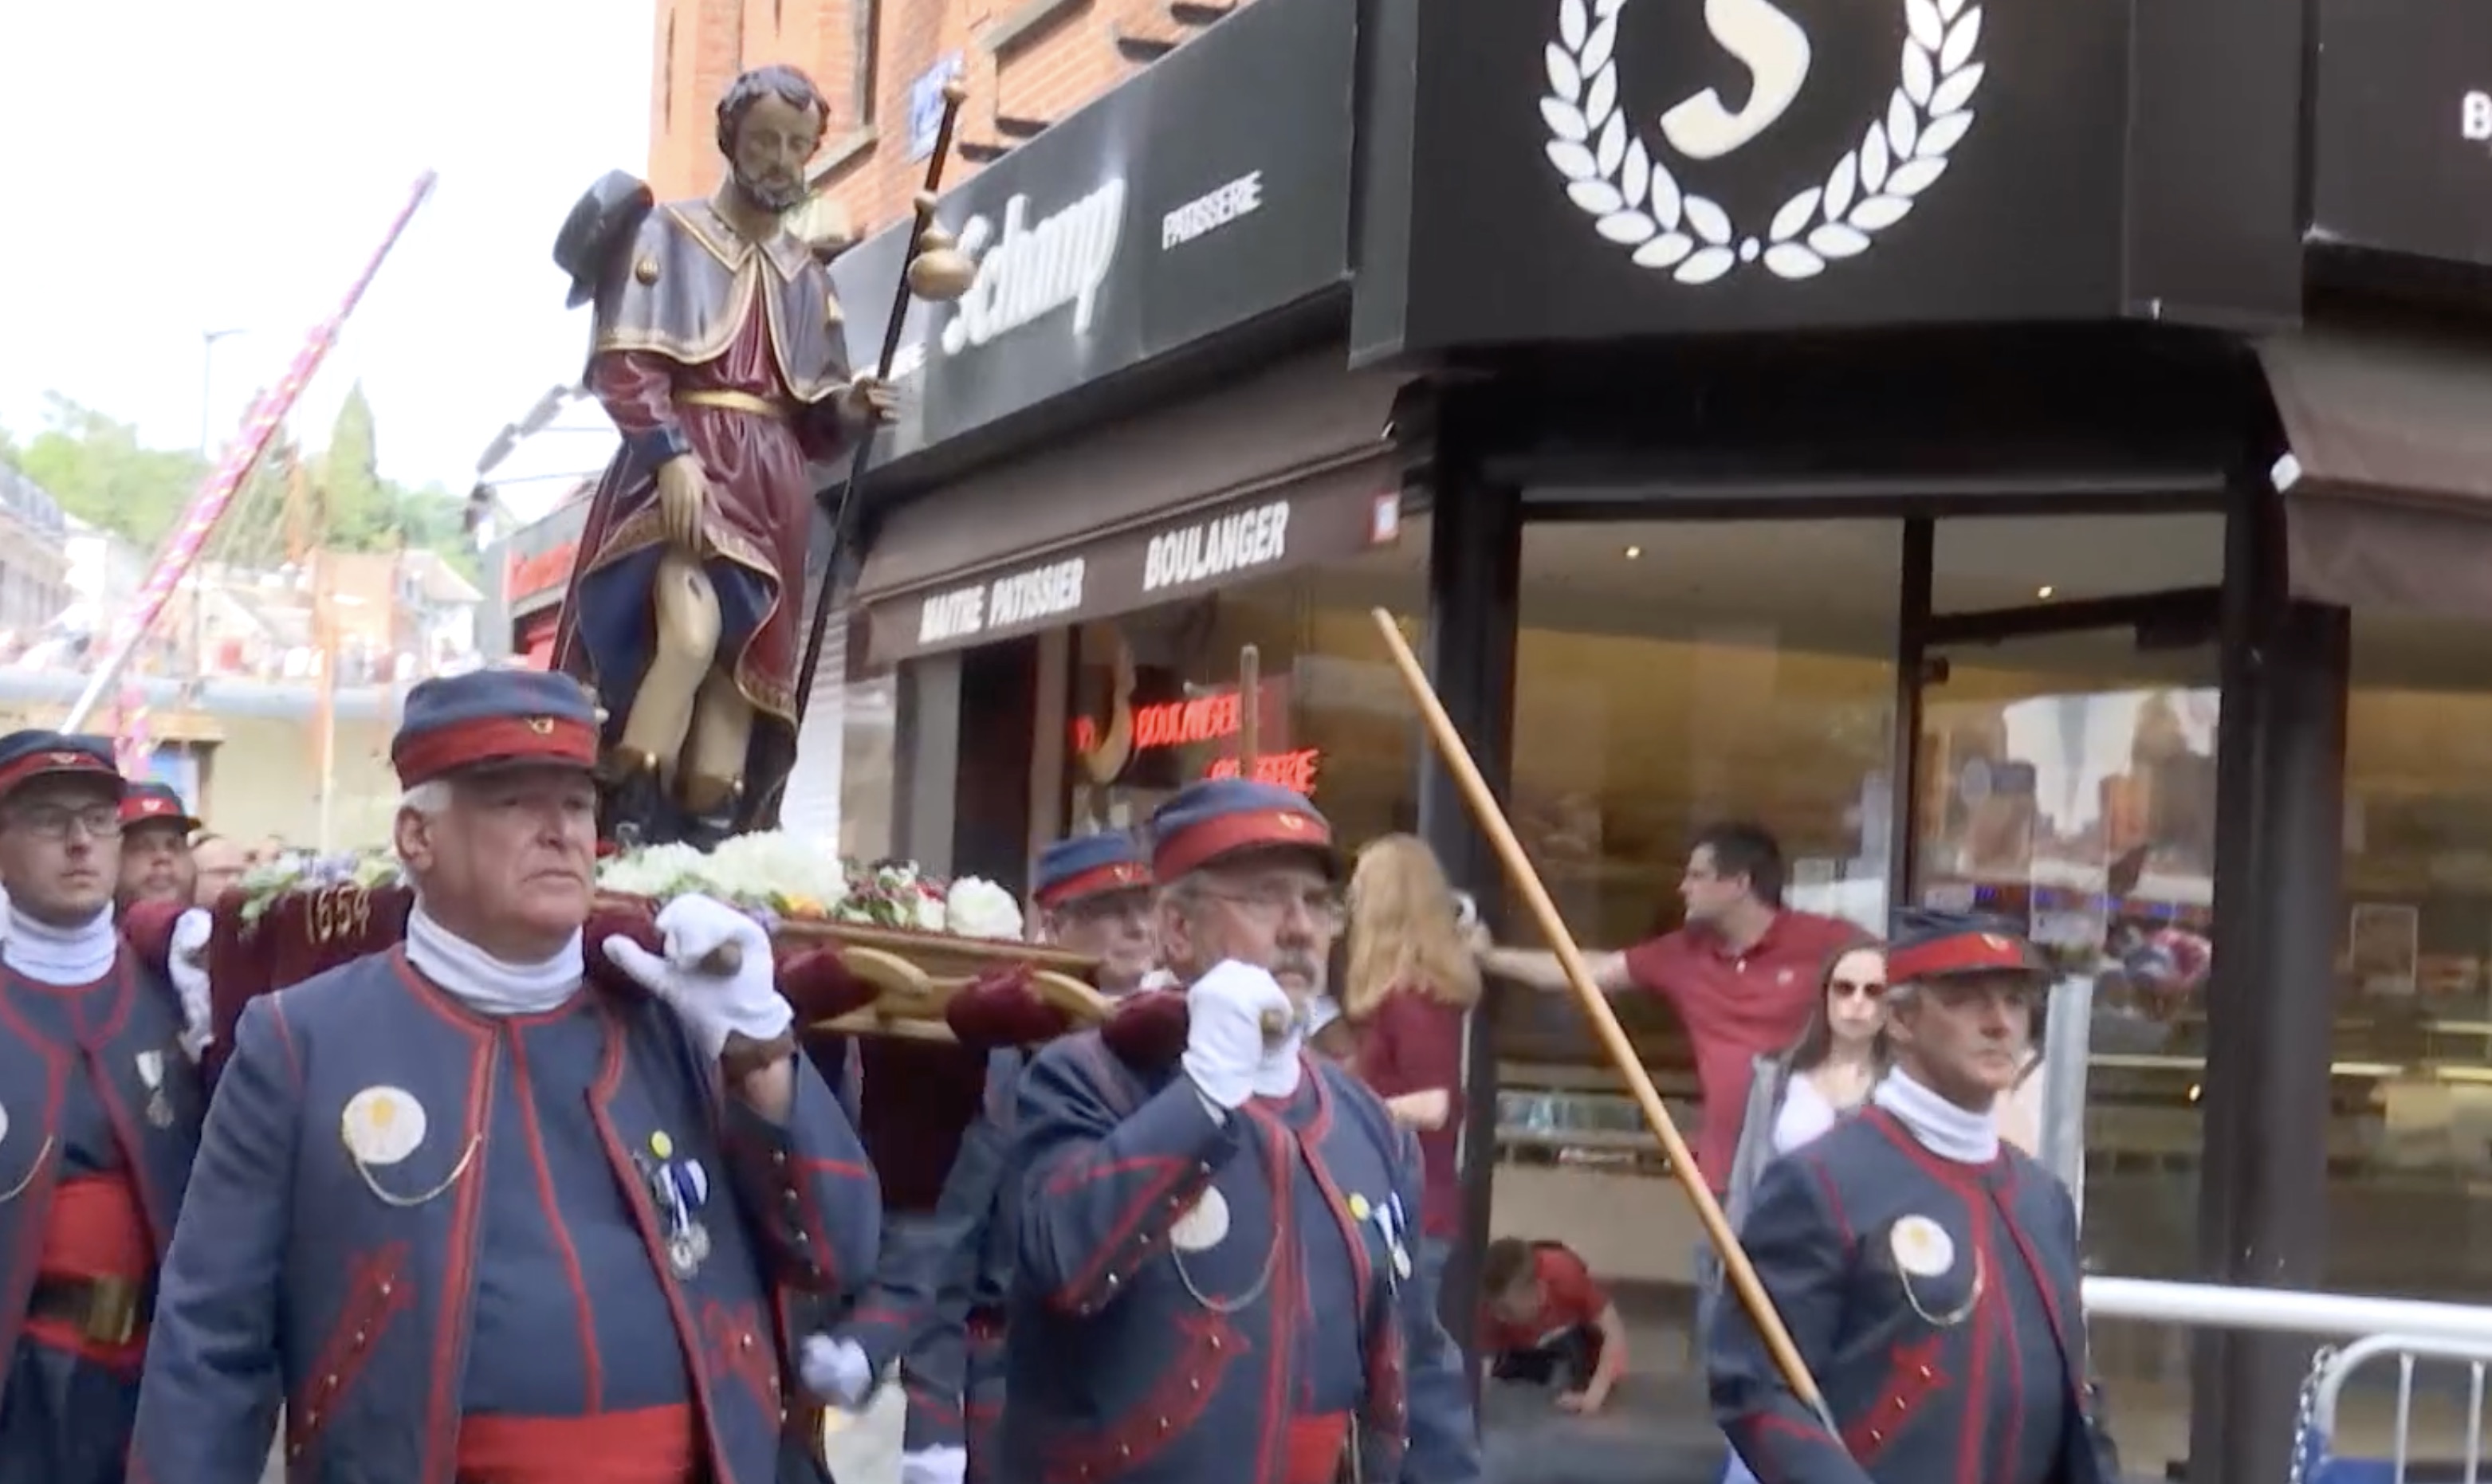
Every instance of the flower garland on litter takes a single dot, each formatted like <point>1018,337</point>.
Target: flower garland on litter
<point>776,877</point>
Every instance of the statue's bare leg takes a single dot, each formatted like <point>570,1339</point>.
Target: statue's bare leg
<point>685,607</point>
<point>711,777</point>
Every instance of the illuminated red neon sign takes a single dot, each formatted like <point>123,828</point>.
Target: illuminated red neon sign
<point>1185,722</point>
<point>1293,770</point>
<point>1203,720</point>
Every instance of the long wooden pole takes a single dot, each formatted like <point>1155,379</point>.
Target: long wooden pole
<point>1493,823</point>
<point>216,495</point>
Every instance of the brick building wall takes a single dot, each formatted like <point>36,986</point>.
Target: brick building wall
<point>1027,63</point>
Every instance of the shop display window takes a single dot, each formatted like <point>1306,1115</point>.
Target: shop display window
<point>1157,702</point>
<point>1677,674</point>
<point>867,780</point>
<point>2410,1155</point>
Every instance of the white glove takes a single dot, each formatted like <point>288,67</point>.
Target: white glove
<point>189,977</point>
<point>935,1465</point>
<point>712,1007</point>
<point>836,1370</point>
<point>1276,1075</point>
<point>1223,1040</point>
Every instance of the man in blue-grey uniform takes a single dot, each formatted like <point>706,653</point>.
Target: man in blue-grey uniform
<point>98,1119</point>
<point>469,1217</point>
<point>1927,1272</point>
<point>1215,1280</point>
<point>944,1306</point>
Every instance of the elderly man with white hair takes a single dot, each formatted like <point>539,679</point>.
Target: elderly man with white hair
<point>469,1215</point>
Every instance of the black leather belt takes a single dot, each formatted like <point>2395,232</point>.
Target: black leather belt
<point>104,1310</point>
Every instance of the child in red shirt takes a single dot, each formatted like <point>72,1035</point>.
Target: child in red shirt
<point>1547,1322</point>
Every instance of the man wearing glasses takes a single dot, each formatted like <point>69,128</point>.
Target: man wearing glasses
<point>938,1299</point>
<point>98,1119</point>
<point>1215,1278</point>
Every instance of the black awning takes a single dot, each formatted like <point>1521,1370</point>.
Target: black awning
<point>2388,469</point>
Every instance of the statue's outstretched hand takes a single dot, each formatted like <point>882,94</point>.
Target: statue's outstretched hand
<point>683,496</point>
<point>869,401</point>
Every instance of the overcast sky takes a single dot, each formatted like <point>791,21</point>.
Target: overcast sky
<point>176,167</point>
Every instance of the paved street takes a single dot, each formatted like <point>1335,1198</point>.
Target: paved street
<point>1655,1430</point>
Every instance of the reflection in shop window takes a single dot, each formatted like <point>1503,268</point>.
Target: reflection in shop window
<point>1158,701</point>
<point>866,782</point>
<point>1672,675</point>
<point>2409,1209</point>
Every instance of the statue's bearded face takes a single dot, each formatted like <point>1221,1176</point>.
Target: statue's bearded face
<point>772,145</point>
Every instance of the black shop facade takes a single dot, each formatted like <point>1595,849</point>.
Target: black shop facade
<point>2031,458</point>
<point>2027,459</point>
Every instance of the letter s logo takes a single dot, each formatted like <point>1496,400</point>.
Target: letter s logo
<point>1774,51</point>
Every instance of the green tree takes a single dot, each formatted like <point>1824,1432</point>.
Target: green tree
<point>99,471</point>
<point>357,504</point>
<point>257,531</point>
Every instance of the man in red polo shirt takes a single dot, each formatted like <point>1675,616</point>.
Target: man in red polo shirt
<point>1741,974</point>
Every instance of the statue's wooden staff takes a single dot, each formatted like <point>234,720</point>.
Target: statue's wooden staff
<point>935,268</point>
<point>1492,820</point>
<point>1250,684</point>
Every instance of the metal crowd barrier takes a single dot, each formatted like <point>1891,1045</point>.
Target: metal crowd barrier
<point>2405,1330</point>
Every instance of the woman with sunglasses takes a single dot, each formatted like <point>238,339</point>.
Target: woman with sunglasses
<point>1826,1076</point>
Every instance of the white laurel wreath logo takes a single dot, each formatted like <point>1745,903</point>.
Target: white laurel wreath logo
<point>1637,202</point>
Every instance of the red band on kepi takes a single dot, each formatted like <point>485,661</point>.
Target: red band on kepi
<point>154,803</point>
<point>26,755</point>
<point>1124,876</point>
<point>1086,866</point>
<point>1967,952</point>
<point>447,750</point>
<point>489,718</point>
<point>1225,817</point>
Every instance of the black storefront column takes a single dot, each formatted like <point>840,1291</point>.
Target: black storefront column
<point>1474,564</point>
<point>2263,1202</point>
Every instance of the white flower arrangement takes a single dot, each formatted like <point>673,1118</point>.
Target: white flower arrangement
<point>801,880</point>
<point>783,876</point>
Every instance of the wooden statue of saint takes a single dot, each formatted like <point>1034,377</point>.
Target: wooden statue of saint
<point>720,353</point>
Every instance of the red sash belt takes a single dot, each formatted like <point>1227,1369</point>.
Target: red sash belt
<point>1315,1445</point>
<point>92,1272</point>
<point>97,1229</point>
<point>653,1446</point>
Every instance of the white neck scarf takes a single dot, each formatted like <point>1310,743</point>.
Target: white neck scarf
<point>1943,1129</point>
<point>483,983</point>
<point>67,956</point>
